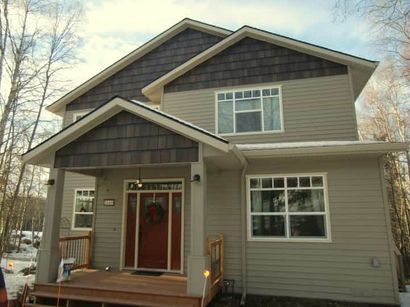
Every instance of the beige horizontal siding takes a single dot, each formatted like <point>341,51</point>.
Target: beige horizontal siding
<point>339,270</point>
<point>313,109</point>
<point>223,217</point>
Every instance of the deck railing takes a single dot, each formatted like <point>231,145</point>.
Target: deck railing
<point>77,247</point>
<point>216,254</point>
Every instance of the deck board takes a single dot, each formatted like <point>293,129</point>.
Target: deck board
<point>124,281</point>
<point>120,287</point>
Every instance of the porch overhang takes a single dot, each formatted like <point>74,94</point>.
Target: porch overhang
<point>43,154</point>
<point>320,148</point>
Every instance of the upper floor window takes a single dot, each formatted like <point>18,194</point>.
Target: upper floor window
<point>246,111</point>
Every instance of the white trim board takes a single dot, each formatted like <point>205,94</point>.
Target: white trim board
<point>320,148</point>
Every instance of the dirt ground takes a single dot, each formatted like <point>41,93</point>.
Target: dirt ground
<point>268,301</point>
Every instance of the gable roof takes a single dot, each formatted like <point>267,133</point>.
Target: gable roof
<point>40,154</point>
<point>152,90</point>
<point>58,105</point>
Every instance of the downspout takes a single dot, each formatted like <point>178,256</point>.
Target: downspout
<point>244,164</point>
<point>243,232</point>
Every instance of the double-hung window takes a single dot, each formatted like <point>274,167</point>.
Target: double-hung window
<point>83,209</point>
<point>245,111</point>
<point>291,207</point>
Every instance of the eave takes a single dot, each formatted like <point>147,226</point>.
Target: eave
<point>324,148</point>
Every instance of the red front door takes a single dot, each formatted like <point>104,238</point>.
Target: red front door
<point>153,231</point>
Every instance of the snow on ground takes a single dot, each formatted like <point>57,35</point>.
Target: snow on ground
<point>15,281</point>
<point>15,262</point>
<point>27,252</point>
<point>404,299</point>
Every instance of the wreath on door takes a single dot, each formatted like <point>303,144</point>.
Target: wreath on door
<point>154,213</point>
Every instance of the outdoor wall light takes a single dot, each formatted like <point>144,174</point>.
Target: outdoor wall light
<point>196,178</point>
<point>50,182</point>
<point>139,181</point>
<point>375,263</point>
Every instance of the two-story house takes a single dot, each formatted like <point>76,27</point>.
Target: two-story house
<point>203,132</point>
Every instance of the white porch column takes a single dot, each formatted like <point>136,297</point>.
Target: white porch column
<point>198,261</point>
<point>48,254</point>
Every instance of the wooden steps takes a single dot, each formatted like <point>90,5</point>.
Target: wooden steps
<point>107,297</point>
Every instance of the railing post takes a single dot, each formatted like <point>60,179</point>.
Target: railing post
<point>222,255</point>
<point>88,250</point>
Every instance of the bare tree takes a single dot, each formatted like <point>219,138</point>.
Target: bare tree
<point>38,54</point>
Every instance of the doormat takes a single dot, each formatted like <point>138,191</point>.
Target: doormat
<point>147,273</point>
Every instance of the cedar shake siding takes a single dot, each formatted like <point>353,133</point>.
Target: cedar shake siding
<point>127,139</point>
<point>129,81</point>
<point>253,61</point>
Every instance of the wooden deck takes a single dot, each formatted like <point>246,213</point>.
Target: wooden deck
<point>100,288</point>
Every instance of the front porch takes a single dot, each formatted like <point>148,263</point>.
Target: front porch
<point>92,287</point>
<point>159,225</point>
<point>100,288</point>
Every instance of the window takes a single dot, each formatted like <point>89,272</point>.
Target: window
<point>83,209</point>
<point>292,207</point>
<point>255,110</point>
<point>78,116</point>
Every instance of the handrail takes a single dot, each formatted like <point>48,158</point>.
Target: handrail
<point>216,254</point>
<point>77,247</point>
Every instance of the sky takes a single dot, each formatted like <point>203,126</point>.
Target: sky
<point>112,28</point>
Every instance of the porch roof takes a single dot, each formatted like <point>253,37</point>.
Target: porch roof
<point>320,148</point>
<point>42,154</point>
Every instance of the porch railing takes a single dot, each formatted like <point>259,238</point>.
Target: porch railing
<point>77,247</point>
<point>216,253</point>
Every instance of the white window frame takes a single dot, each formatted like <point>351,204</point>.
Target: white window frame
<point>85,213</point>
<point>288,238</point>
<point>281,130</point>
<point>77,114</point>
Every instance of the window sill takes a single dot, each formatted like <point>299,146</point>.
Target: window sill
<point>252,133</point>
<point>81,229</point>
<point>287,240</point>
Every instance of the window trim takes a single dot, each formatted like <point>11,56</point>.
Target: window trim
<point>282,126</point>
<point>87,213</point>
<point>251,238</point>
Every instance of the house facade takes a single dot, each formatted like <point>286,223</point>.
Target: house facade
<point>203,131</point>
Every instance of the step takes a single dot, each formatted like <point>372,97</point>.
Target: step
<point>36,305</point>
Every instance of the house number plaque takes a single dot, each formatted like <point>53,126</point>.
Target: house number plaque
<point>109,202</point>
